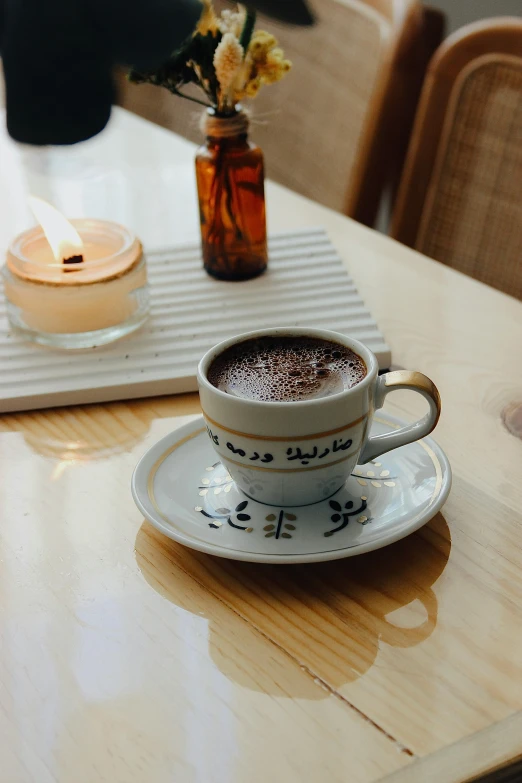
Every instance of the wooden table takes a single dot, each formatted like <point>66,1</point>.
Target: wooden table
<point>125,657</point>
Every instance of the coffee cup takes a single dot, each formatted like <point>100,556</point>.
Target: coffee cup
<point>301,451</point>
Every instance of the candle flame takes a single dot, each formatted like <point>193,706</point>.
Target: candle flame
<point>65,241</point>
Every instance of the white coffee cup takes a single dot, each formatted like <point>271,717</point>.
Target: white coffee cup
<point>297,453</point>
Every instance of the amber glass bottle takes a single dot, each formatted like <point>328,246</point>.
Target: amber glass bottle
<point>230,178</point>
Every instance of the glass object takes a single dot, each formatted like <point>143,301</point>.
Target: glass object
<point>230,179</point>
<point>98,301</point>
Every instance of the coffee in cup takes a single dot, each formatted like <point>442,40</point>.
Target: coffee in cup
<point>286,368</point>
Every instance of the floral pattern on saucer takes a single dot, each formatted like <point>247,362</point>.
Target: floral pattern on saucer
<point>282,522</point>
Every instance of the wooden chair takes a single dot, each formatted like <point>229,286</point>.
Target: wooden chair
<point>460,199</point>
<point>336,127</point>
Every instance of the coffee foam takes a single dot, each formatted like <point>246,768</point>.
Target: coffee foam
<point>286,369</point>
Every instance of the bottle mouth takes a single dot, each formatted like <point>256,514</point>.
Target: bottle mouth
<point>217,126</point>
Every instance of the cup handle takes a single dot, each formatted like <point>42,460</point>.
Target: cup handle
<point>402,379</point>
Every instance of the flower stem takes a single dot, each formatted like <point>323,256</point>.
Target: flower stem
<point>175,91</point>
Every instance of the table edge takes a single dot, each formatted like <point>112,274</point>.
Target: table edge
<point>485,752</point>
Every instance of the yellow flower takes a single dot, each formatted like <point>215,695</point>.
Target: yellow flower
<point>260,44</point>
<point>274,68</point>
<point>265,62</point>
<point>252,88</point>
<point>208,21</point>
<point>275,55</point>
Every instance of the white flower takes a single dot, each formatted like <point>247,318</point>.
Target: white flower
<point>232,22</point>
<point>228,58</point>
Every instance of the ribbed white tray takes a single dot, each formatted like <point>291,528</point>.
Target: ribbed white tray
<point>306,285</point>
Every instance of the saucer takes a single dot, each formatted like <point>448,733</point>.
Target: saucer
<point>190,497</point>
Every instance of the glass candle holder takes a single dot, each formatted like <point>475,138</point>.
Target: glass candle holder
<point>81,305</point>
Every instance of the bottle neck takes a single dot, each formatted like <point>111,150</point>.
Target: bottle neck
<point>230,129</point>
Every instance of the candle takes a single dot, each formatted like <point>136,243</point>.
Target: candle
<point>75,284</point>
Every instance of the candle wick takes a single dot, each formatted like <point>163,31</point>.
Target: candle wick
<point>77,259</point>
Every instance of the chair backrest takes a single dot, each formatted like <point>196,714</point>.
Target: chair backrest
<point>330,129</point>
<point>460,199</point>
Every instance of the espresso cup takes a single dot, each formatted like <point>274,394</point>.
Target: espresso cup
<point>299,452</point>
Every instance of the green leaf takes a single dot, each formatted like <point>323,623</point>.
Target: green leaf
<point>248,29</point>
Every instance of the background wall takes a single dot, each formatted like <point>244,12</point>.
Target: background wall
<point>461,12</point>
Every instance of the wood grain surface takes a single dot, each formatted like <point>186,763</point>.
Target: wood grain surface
<point>116,664</point>
<point>124,657</point>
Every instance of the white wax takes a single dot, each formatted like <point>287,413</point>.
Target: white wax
<point>76,308</point>
<point>67,299</point>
